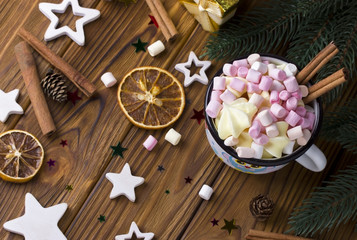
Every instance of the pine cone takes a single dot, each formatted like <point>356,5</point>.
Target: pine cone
<point>54,86</point>
<point>261,207</point>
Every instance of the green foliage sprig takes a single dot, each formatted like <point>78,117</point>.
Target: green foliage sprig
<point>328,206</point>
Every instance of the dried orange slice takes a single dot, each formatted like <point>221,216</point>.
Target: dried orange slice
<point>21,156</point>
<point>151,97</point>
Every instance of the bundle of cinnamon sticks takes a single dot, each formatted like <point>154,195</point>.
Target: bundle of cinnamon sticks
<point>261,235</point>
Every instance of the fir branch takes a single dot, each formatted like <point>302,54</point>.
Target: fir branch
<point>341,125</point>
<point>328,206</point>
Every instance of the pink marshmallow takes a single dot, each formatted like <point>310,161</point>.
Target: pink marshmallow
<point>241,63</point>
<point>150,143</point>
<point>304,90</point>
<point>273,117</point>
<point>293,118</point>
<point>227,96</point>
<point>231,141</point>
<point>271,67</point>
<point>277,74</point>
<point>304,123</point>
<point>237,85</point>
<point>274,97</point>
<point>284,95</point>
<point>213,108</point>
<point>277,86</point>
<point>230,70</point>
<point>301,111</point>
<point>295,133</point>
<point>255,129</point>
<point>311,117</point>
<point>291,84</point>
<point>272,130</point>
<point>252,58</point>
<point>252,87</point>
<point>242,72</point>
<point>291,103</point>
<point>265,83</point>
<point>265,118</point>
<point>260,67</point>
<point>256,99</point>
<point>245,152</point>
<point>215,96</point>
<point>219,83</point>
<point>297,95</point>
<point>253,76</point>
<point>278,110</point>
<point>262,139</point>
<point>302,141</point>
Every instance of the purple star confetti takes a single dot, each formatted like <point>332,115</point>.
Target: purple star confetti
<point>188,179</point>
<point>51,163</point>
<point>214,222</point>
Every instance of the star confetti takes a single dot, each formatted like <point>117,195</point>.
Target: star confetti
<point>69,188</point>
<point>153,21</point>
<point>229,226</point>
<point>188,179</point>
<point>51,163</point>
<point>167,191</point>
<point>198,115</point>
<point>140,46</point>
<point>160,168</point>
<point>134,229</point>
<point>101,218</point>
<point>214,222</point>
<point>63,143</point>
<point>73,97</point>
<point>118,150</point>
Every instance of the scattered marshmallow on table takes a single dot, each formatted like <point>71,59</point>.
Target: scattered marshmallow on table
<point>295,133</point>
<point>260,67</point>
<point>245,152</point>
<point>213,108</point>
<point>156,48</point>
<point>150,143</point>
<point>252,58</point>
<point>173,137</point>
<point>230,70</point>
<point>205,192</point>
<point>258,150</point>
<point>108,79</point>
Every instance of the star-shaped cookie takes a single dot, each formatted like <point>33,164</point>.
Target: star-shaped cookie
<point>8,104</point>
<point>185,69</point>
<point>124,183</point>
<point>87,14</point>
<point>38,223</point>
<point>134,229</point>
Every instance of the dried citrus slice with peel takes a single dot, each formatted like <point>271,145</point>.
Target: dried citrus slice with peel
<point>21,156</point>
<point>151,97</point>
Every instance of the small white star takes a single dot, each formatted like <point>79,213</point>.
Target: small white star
<point>8,104</point>
<point>87,14</point>
<point>124,183</point>
<point>184,68</point>
<point>38,223</point>
<point>134,229</point>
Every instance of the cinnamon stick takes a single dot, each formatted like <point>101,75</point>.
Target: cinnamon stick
<point>340,73</point>
<point>32,81</point>
<point>72,74</point>
<point>323,90</point>
<point>269,235</point>
<point>315,63</point>
<point>162,17</point>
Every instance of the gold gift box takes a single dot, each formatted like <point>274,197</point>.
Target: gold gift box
<point>211,13</point>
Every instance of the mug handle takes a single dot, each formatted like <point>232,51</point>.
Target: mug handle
<point>313,159</point>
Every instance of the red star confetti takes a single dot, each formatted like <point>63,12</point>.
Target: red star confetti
<point>63,143</point>
<point>73,97</point>
<point>188,179</point>
<point>198,115</point>
<point>153,21</point>
<point>51,163</point>
<point>214,222</point>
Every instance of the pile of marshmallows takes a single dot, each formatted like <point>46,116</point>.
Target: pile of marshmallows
<point>277,97</point>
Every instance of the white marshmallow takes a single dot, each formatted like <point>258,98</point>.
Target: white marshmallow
<point>252,58</point>
<point>258,150</point>
<point>289,148</point>
<point>304,90</point>
<point>271,66</point>
<point>156,48</point>
<point>295,133</point>
<point>205,192</point>
<point>290,70</point>
<point>245,152</point>
<point>277,86</point>
<point>108,79</point>
<point>272,130</point>
<point>260,67</point>
<point>173,137</point>
<point>265,118</point>
<point>302,141</point>
<point>256,99</point>
<point>231,141</point>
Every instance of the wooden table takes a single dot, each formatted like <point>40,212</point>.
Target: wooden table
<point>93,125</point>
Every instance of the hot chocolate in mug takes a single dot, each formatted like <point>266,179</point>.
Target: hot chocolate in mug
<point>309,155</point>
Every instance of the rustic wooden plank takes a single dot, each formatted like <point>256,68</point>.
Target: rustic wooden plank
<point>88,126</point>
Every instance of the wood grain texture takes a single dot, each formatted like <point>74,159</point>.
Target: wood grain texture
<point>93,124</point>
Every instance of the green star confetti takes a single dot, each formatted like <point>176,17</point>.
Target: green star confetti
<point>118,150</point>
<point>69,188</point>
<point>167,191</point>
<point>229,226</point>
<point>101,218</point>
<point>140,46</point>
